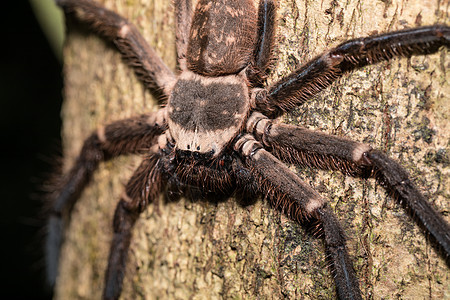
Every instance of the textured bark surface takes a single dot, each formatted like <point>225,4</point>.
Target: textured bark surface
<point>204,250</point>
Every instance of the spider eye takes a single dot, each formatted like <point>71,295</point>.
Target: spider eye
<point>198,148</point>
<point>188,147</point>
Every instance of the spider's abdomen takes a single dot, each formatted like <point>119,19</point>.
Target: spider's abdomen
<point>222,37</point>
<point>206,113</point>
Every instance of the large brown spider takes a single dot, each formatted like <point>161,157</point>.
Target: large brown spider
<point>216,145</point>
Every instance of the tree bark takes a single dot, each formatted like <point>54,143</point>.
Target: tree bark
<point>203,250</point>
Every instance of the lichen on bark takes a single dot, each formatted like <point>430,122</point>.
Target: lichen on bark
<point>200,249</point>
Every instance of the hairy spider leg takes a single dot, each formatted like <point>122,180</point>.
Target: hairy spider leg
<point>113,139</point>
<point>129,136</point>
<point>319,73</point>
<point>148,66</point>
<point>397,179</point>
<point>301,146</point>
<point>300,202</point>
<point>282,96</point>
<point>183,17</point>
<point>142,189</point>
<point>266,34</point>
<point>347,284</point>
<point>310,148</point>
<point>262,59</point>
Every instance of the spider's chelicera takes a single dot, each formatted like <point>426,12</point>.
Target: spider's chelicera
<point>216,133</point>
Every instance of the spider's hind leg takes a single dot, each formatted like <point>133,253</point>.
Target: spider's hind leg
<point>316,75</point>
<point>149,67</point>
<point>183,15</point>
<point>263,52</point>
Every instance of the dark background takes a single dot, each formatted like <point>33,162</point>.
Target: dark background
<point>30,97</point>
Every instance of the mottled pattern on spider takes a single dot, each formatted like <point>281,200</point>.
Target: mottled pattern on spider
<point>216,132</point>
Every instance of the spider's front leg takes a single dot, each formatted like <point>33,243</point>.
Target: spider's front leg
<point>143,187</point>
<point>300,202</point>
<point>315,149</point>
<point>129,136</point>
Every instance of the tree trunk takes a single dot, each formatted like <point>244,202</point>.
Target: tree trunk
<point>202,250</point>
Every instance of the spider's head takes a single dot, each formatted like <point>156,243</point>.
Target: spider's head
<point>206,113</point>
<point>194,156</point>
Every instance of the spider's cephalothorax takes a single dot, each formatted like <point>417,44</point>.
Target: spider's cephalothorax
<point>216,132</point>
<point>205,114</point>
